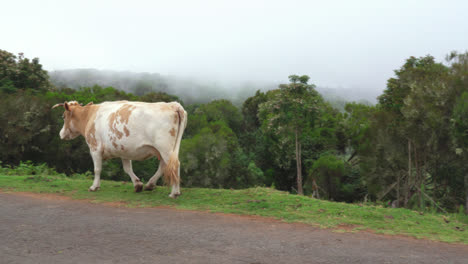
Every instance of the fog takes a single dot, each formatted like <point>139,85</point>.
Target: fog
<point>351,47</point>
<point>189,90</point>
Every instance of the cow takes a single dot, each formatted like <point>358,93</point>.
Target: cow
<point>130,131</point>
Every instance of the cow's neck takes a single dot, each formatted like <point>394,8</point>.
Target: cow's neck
<point>81,116</point>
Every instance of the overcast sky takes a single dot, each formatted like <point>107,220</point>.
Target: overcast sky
<point>348,44</point>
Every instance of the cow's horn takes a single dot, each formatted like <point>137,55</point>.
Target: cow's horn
<point>57,105</point>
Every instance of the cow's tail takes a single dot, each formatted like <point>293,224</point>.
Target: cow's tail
<point>171,171</point>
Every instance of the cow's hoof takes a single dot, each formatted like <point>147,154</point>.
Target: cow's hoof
<point>174,196</point>
<point>148,187</point>
<point>138,187</point>
<point>93,189</point>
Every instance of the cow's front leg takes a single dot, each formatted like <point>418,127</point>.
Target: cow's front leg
<point>97,160</point>
<point>127,166</point>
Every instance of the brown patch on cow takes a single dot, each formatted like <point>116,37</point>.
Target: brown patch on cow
<point>83,122</point>
<point>91,137</point>
<point>173,132</point>
<point>121,116</point>
<point>104,152</point>
<point>113,125</point>
<point>124,112</point>
<point>114,144</point>
<point>122,147</point>
<point>176,118</point>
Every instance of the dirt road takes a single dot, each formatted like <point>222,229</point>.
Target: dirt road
<point>44,230</point>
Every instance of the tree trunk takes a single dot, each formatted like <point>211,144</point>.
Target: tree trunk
<point>466,193</point>
<point>466,203</point>
<point>398,191</point>
<point>299,165</point>
<point>316,189</point>
<point>419,181</point>
<point>407,187</point>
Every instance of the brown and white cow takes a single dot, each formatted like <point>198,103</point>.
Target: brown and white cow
<point>130,131</point>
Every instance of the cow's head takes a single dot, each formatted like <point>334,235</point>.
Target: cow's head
<point>70,127</point>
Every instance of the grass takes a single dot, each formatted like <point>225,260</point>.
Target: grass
<point>341,217</point>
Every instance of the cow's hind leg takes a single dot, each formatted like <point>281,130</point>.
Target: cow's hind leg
<point>127,166</point>
<point>152,182</point>
<point>175,192</point>
<point>97,160</point>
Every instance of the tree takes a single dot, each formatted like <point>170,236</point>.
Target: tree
<point>250,111</point>
<point>460,133</point>
<point>327,172</point>
<point>291,111</point>
<point>224,110</point>
<point>213,158</point>
<point>356,122</point>
<point>459,69</point>
<point>408,152</point>
<point>159,97</point>
<point>426,123</point>
<point>21,73</point>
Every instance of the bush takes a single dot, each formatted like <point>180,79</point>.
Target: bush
<point>28,168</point>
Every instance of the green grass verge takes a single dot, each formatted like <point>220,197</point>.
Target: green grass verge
<point>265,202</point>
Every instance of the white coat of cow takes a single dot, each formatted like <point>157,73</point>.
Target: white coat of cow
<point>130,131</point>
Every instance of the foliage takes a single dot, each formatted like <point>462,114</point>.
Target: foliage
<point>250,111</point>
<point>28,168</point>
<point>460,123</point>
<point>336,180</point>
<point>407,153</point>
<point>328,171</point>
<point>290,108</point>
<point>18,72</point>
<point>287,115</point>
<point>221,110</point>
<point>460,137</point>
<point>215,151</point>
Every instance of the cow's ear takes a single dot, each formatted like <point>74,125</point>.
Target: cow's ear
<point>66,106</point>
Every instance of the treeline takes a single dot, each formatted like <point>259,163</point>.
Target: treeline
<point>409,150</point>
<point>190,90</point>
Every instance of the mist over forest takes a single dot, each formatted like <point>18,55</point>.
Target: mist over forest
<point>192,90</point>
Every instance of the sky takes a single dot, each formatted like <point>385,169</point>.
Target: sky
<point>339,44</point>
